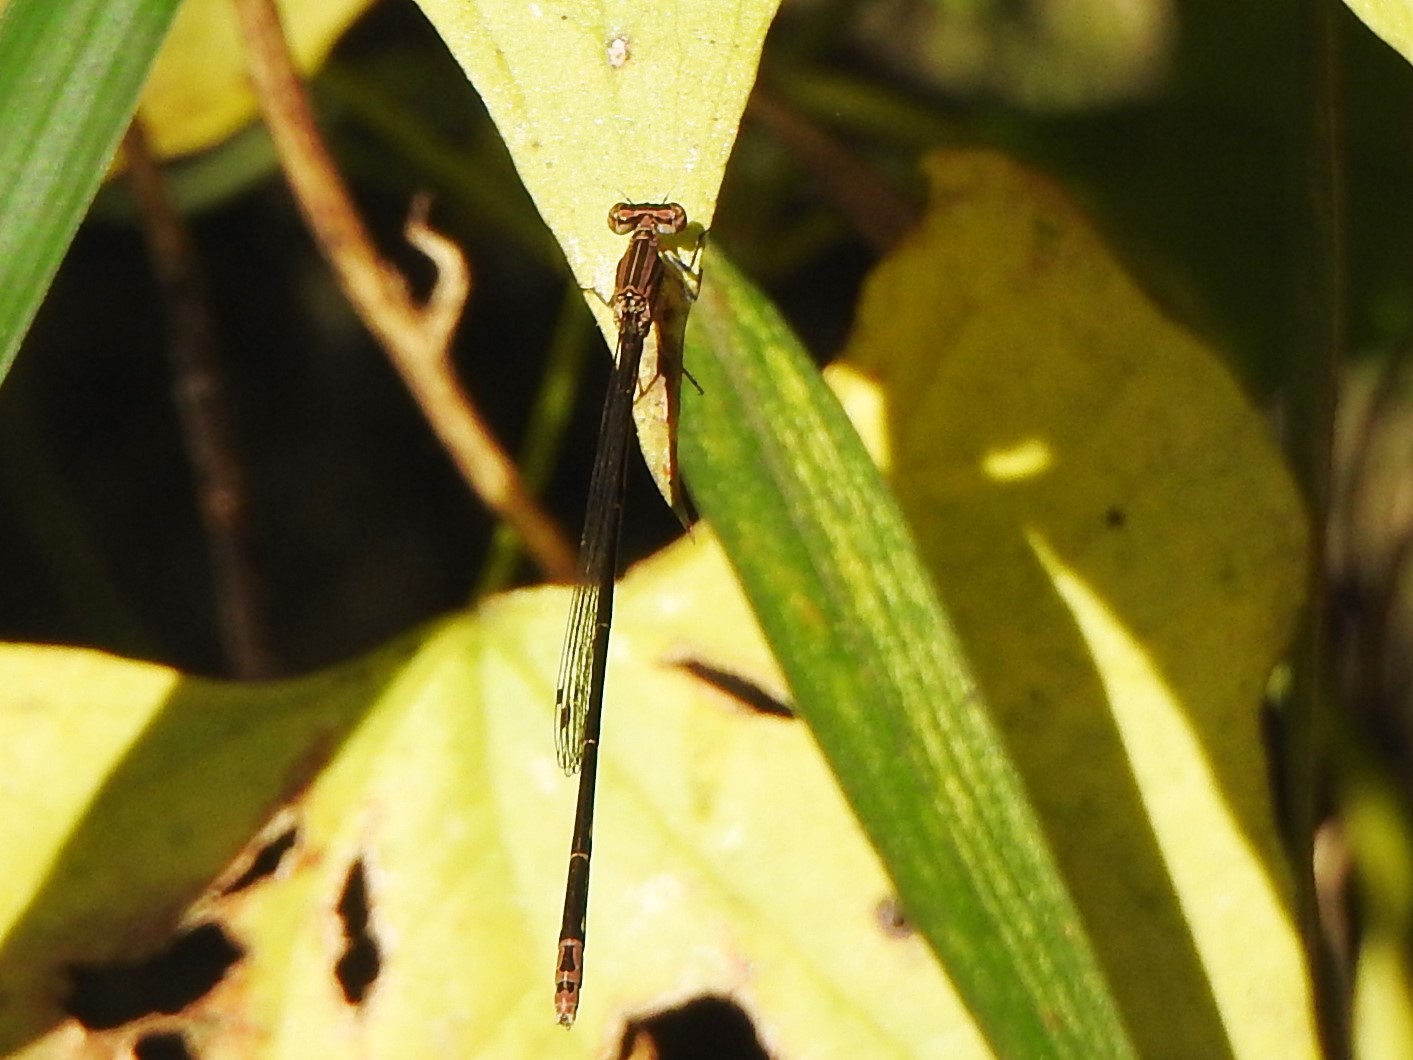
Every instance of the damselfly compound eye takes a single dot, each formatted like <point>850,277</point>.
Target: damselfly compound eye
<point>622,219</point>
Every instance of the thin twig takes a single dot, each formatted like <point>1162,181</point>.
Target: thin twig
<point>416,338</point>
<point>199,391</point>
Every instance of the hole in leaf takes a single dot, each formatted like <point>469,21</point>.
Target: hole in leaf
<point>265,862</point>
<point>747,692</point>
<point>164,1045</point>
<point>104,996</point>
<point>707,1027</point>
<point>361,961</point>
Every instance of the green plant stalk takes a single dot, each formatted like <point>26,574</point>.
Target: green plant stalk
<point>830,569</point>
<point>70,75</point>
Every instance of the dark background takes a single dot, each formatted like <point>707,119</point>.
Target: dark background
<point>1202,179</point>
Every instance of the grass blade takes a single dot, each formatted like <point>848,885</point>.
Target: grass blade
<point>831,571</point>
<point>70,75</point>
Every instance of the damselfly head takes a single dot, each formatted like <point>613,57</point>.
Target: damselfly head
<point>664,218</point>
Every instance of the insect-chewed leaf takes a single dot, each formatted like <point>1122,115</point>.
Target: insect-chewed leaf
<point>383,846</point>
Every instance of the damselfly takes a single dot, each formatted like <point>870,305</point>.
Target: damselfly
<point>579,699</point>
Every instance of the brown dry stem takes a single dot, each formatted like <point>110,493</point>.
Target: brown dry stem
<point>416,337</point>
<point>204,413</point>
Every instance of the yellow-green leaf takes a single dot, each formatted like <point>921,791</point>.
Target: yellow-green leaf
<point>1124,554</point>
<point>725,861</point>
<point>1390,19</point>
<point>636,100</point>
<point>199,92</point>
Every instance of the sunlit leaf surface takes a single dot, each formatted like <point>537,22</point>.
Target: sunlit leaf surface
<point>601,103</point>
<point>1124,553</point>
<point>723,848</point>
<point>1390,19</point>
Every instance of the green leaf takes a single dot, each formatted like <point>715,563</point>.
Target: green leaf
<point>876,669</point>
<point>601,103</point>
<point>70,74</point>
<point>607,102</point>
